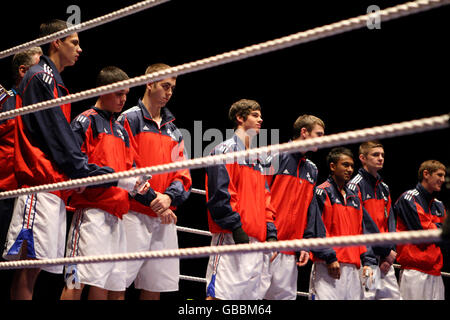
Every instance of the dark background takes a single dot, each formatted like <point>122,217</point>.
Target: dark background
<point>354,80</point>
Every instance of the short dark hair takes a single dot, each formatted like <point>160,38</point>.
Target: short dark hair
<point>335,154</point>
<point>306,121</point>
<point>242,108</point>
<point>110,74</point>
<point>50,27</point>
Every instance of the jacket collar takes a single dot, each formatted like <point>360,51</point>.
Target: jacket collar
<point>299,157</point>
<point>366,175</point>
<point>334,184</point>
<point>105,114</point>
<point>166,115</point>
<point>240,144</point>
<point>427,196</point>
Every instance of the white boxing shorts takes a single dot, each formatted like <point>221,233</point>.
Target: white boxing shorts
<point>323,287</point>
<point>145,233</point>
<point>279,281</point>
<point>40,220</point>
<point>416,285</point>
<point>97,232</point>
<point>234,276</point>
<point>385,285</point>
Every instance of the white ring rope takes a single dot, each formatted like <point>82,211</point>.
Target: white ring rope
<point>417,236</point>
<point>195,231</point>
<point>327,141</point>
<point>207,233</point>
<point>137,7</point>
<point>240,54</point>
<point>198,191</point>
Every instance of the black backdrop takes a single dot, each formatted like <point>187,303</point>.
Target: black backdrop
<point>354,80</point>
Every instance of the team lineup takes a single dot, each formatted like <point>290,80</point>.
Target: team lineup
<point>250,201</point>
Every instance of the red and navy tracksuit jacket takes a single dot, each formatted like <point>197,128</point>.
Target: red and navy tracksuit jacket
<point>292,189</point>
<point>343,217</point>
<point>376,199</point>
<point>45,148</point>
<point>7,177</point>
<point>106,143</point>
<point>237,195</point>
<point>417,209</point>
<point>157,145</point>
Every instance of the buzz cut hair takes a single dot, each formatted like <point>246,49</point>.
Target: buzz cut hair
<point>365,147</point>
<point>109,75</point>
<point>156,67</point>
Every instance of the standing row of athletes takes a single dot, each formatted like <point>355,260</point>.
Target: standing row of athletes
<point>260,201</point>
<point>132,214</point>
<point>249,201</point>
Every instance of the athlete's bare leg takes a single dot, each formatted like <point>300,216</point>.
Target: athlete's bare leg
<point>22,285</point>
<point>149,295</point>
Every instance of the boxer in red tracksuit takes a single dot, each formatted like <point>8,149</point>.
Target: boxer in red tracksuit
<point>97,226</point>
<point>292,190</point>
<point>342,214</point>
<point>156,140</point>
<point>418,209</point>
<point>239,211</point>
<point>292,186</point>
<point>45,151</point>
<point>379,217</point>
<point>7,179</point>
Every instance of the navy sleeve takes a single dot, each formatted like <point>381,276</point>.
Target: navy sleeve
<point>8,105</point>
<point>219,198</point>
<point>181,181</point>
<point>79,127</point>
<point>315,227</point>
<point>406,211</point>
<point>369,258</point>
<point>177,193</point>
<point>50,130</point>
<point>147,198</point>
<point>392,223</point>
<point>369,226</point>
<point>271,231</point>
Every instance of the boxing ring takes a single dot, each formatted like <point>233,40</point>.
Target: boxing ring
<point>387,131</point>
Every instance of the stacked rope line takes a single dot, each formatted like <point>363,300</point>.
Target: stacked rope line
<point>207,233</point>
<point>420,236</point>
<point>236,55</point>
<point>349,137</point>
<point>379,132</point>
